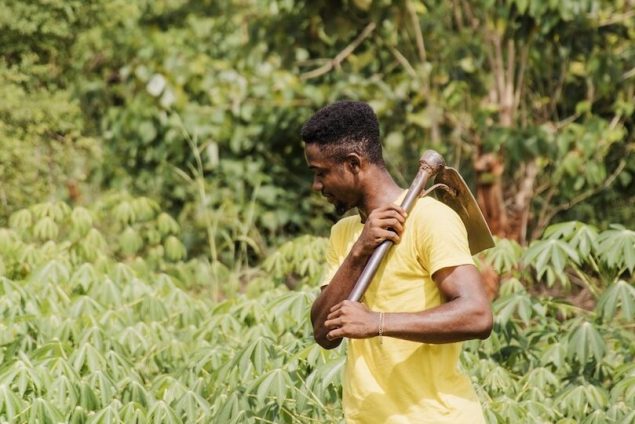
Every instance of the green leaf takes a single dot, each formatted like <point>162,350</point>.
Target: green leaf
<point>130,241</point>
<point>618,296</point>
<point>160,413</point>
<point>274,385</point>
<point>192,407</point>
<point>326,374</point>
<point>586,343</point>
<point>553,254</point>
<point>81,220</point>
<point>133,413</point>
<point>624,390</point>
<point>78,416</point>
<point>504,256</point>
<point>124,213</point>
<point>229,409</point>
<point>108,415</point>
<point>10,403</point>
<point>46,229</point>
<point>584,240</point>
<point>517,304</point>
<point>542,379</point>
<point>147,131</point>
<point>42,412</point>
<point>174,249</point>
<point>21,220</point>
<point>617,248</point>
<point>166,224</point>
<point>563,230</point>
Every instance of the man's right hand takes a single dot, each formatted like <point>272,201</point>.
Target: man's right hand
<point>384,223</point>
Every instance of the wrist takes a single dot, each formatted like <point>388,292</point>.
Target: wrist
<point>358,255</point>
<point>380,326</point>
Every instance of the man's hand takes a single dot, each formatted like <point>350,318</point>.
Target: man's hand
<point>353,320</point>
<point>385,223</point>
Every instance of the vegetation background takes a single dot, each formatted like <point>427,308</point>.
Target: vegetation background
<point>159,244</point>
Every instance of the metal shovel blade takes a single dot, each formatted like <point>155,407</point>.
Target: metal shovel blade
<point>461,200</point>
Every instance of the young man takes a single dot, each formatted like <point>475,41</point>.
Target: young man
<point>427,296</point>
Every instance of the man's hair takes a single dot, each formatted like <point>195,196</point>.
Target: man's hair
<point>345,127</point>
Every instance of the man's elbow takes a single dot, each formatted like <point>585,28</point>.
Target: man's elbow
<point>483,323</point>
<point>319,331</point>
<point>320,338</point>
<point>328,345</point>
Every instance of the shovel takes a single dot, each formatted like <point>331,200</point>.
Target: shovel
<point>450,188</point>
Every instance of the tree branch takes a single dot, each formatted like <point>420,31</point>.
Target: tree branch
<point>617,19</point>
<point>421,48</point>
<point>523,198</point>
<point>508,99</point>
<point>583,196</point>
<point>495,58</point>
<point>520,79</point>
<point>341,56</point>
<point>404,62</point>
<point>511,62</point>
<point>458,16</point>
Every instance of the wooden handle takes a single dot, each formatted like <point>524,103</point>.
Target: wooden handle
<point>430,163</point>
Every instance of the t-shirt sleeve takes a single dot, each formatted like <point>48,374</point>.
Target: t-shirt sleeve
<point>442,237</point>
<point>332,257</point>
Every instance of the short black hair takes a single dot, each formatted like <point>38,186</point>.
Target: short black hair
<point>344,127</point>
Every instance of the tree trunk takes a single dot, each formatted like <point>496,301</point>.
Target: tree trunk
<point>489,192</point>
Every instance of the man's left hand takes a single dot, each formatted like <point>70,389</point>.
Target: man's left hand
<point>353,320</point>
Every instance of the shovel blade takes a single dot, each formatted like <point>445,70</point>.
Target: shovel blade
<point>464,204</point>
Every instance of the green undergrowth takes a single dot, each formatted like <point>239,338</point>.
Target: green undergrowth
<point>103,320</point>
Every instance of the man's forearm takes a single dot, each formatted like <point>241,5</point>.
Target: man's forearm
<point>455,321</point>
<point>338,290</point>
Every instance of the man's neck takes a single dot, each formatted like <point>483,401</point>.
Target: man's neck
<point>381,190</point>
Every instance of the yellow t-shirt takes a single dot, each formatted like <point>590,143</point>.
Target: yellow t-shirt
<point>399,381</point>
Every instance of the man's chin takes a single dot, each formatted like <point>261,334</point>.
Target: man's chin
<point>341,208</point>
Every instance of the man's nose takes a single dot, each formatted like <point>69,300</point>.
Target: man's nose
<point>317,185</point>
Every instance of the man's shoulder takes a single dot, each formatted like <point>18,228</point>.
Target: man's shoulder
<point>429,208</point>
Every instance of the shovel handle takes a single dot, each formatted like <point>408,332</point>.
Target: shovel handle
<point>430,163</point>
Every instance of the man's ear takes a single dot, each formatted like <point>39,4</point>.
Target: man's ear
<point>354,163</point>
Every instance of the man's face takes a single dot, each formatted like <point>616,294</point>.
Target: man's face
<point>333,179</point>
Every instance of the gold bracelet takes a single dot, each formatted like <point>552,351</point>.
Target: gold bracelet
<point>381,327</point>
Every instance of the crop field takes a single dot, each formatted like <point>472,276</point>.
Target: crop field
<point>90,337</point>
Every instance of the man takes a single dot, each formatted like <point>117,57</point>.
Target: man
<point>427,296</point>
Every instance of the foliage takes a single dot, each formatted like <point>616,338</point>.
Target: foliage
<point>119,227</point>
<point>550,360</point>
<point>43,154</point>
<point>297,262</point>
<point>94,330</point>
<point>44,151</point>
<point>185,96</point>
<point>99,332</point>
<point>575,253</point>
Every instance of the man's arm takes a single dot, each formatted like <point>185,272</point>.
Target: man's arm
<point>465,315</point>
<point>382,224</point>
<point>336,291</point>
